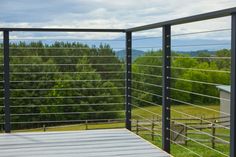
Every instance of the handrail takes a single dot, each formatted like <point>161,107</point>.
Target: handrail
<point>194,18</point>
<point>62,30</point>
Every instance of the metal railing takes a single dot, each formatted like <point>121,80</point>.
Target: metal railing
<point>61,83</point>
<point>130,95</point>
<point>167,88</point>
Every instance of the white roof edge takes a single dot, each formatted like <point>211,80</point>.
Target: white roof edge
<point>225,88</point>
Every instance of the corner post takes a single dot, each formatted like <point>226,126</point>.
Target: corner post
<point>166,47</point>
<point>233,89</point>
<point>6,82</point>
<point>128,80</point>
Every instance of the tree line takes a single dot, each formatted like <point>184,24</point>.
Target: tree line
<point>71,75</point>
<point>199,74</point>
<point>64,78</point>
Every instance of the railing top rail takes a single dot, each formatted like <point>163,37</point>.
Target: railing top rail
<point>62,30</point>
<point>189,19</point>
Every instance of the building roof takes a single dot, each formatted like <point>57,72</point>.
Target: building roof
<point>224,88</point>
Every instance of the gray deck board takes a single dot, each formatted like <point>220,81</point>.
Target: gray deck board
<point>92,143</point>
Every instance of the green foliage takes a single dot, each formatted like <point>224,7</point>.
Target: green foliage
<point>63,88</point>
<point>223,63</point>
<point>85,67</point>
<point>139,68</point>
<point>188,73</point>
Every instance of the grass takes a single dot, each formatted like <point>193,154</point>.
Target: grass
<point>176,150</point>
<point>75,127</point>
<point>176,109</point>
<point>179,151</point>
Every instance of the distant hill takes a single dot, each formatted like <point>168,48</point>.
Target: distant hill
<point>196,53</point>
<point>137,53</point>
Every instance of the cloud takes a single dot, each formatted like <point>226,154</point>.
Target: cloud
<point>108,14</point>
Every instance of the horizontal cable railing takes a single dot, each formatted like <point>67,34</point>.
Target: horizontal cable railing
<point>69,121</point>
<point>62,113</point>
<point>173,88</point>
<point>64,105</point>
<point>47,81</point>
<point>62,48</point>
<point>71,83</point>
<point>193,100</point>
<point>68,72</point>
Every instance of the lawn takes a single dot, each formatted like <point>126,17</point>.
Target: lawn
<point>175,113</point>
<point>177,150</point>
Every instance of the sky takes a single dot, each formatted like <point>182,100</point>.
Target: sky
<point>110,14</point>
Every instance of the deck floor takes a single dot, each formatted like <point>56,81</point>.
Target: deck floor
<point>92,143</point>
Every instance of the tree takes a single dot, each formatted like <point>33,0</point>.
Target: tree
<point>223,64</point>
<point>150,91</point>
<point>42,85</point>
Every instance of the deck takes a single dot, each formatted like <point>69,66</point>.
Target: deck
<point>92,143</point>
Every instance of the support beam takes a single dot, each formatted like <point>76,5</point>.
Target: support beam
<point>165,90</point>
<point>128,79</point>
<point>233,89</point>
<point>7,117</point>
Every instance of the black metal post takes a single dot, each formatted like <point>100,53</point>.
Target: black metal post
<point>6,82</point>
<point>128,79</point>
<point>165,90</point>
<point>233,89</point>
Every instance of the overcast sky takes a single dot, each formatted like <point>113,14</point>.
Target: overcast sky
<point>107,14</point>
